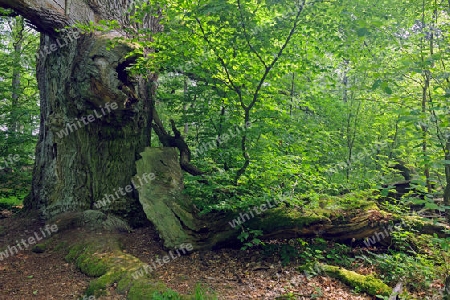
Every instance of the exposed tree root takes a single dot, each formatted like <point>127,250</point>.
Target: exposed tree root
<point>101,256</point>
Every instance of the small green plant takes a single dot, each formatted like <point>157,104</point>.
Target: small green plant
<point>311,269</point>
<point>395,207</point>
<point>314,251</point>
<point>339,254</point>
<point>287,253</point>
<point>318,293</point>
<point>11,199</point>
<point>287,296</point>
<point>166,295</point>
<point>402,238</point>
<point>249,237</point>
<point>201,293</point>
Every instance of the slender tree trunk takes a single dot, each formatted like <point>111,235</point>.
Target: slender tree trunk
<point>18,36</point>
<point>292,94</point>
<point>447,173</point>
<point>425,87</point>
<point>426,171</point>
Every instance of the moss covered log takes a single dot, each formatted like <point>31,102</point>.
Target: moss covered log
<point>363,283</point>
<point>175,218</point>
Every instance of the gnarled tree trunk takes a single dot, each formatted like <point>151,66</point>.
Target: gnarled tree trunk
<point>92,128</point>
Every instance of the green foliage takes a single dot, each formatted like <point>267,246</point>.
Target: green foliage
<point>166,295</point>
<point>200,293</point>
<point>416,271</point>
<point>309,253</point>
<point>334,100</point>
<point>8,201</point>
<point>19,110</point>
<point>249,238</point>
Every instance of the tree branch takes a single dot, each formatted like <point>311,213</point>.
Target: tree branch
<point>175,141</point>
<point>247,108</point>
<point>46,15</point>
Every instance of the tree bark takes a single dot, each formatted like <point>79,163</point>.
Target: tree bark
<point>18,33</point>
<point>447,172</point>
<point>86,148</point>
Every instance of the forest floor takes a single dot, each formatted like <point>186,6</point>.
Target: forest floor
<point>227,273</point>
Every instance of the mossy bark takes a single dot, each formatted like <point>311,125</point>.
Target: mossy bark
<point>364,283</point>
<point>163,200</point>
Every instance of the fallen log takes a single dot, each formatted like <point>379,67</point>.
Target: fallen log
<point>177,221</point>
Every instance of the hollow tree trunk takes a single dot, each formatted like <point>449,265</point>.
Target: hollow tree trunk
<point>92,128</point>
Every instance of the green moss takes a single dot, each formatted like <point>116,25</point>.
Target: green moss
<point>282,218</point>
<point>144,290</point>
<point>61,246</point>
<point>363,283</point>
<point>74,252</point>
<point>98,286</point>
<point>356,200</point>
<point>101,257</point>
<point>332,207</point>
<point>42,247</point>
<point>91,265</point>
<point>39,248</point>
